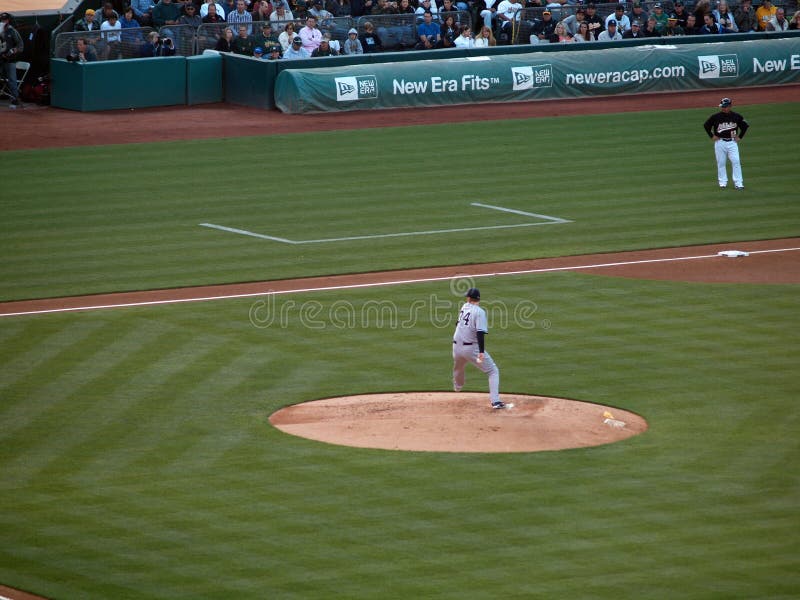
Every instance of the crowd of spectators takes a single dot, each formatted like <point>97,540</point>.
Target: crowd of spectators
<point>705,18</point>
<point>285,29</point>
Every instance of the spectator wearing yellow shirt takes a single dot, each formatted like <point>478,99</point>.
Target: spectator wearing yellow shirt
<point>764,14</point>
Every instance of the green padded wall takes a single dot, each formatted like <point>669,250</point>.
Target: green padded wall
<point>112,84</point>
<point>540,75</point>
<point>249,81</point>
<point>204,79</point>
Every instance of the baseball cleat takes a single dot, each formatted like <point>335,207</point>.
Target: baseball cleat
<point>740,187</point>
<point>498,405</point>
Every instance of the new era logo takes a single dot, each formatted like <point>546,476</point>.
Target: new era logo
<point>523,79</point>
<point>356,88</point>
<point>714,67</point>
<point>527,78</point>
<point>708,66</point>
<point>344,88</point>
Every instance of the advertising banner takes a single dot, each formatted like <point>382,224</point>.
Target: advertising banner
<point>540,75</point>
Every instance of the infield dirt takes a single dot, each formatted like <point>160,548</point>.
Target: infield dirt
<point>457,422</point>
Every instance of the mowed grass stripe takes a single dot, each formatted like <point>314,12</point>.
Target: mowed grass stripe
<point>60,368</point>
<point>77,399</point>
<point>662,199</point>
<point>143,431</point>
<point>22,352</point>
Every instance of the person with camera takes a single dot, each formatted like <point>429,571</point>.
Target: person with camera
<point>11,46</point>
<point>84,52</point>
<point>155,46</point>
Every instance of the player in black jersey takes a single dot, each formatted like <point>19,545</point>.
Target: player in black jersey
<point>726,128</point>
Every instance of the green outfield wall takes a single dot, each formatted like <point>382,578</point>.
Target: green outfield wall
<point>204,79</point>
<point>136,82</point>
<point>538,76</point>
<point>426,78</point>
<point>106,85</point>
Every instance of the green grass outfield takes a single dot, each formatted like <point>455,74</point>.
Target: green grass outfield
<point>136,457</point>
<point>99,219</point>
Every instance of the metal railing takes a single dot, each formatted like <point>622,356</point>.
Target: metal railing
<point>125,43</point>
<point>397,32</point>
<point>208,34</point>
<point>523,28</point>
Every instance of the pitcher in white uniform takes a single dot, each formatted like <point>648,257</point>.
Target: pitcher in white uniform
<point>468,347</point>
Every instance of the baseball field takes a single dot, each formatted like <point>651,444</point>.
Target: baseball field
<point>137,459</point>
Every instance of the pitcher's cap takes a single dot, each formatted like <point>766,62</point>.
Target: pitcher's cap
<point>473,293</point>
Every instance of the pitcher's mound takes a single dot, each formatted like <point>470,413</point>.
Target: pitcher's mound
<point>457,422</point>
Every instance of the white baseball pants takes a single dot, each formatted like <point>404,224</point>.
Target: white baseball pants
<point>728,150</point>
<point>469,354</point>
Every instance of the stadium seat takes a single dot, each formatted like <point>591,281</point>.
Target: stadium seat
<point>22,70</point>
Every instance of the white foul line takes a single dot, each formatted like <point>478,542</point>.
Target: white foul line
<point>353,286</point>
<point>411,233</point>
<point>522,212</point>
<point>547,221</point>
<point>250,233</point>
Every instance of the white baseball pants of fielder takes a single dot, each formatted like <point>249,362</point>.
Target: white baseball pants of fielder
<point>469,354</point>
<point>728,150</point>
